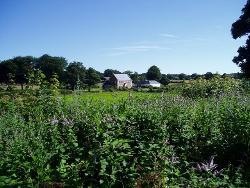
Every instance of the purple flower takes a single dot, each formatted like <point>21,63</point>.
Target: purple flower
<point>209,166</point>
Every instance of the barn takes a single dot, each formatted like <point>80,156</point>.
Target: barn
<point>121,81</point>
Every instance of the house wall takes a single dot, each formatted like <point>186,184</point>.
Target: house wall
<point>120,84</point>
<point>124,83</point>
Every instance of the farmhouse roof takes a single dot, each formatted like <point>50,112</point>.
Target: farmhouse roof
<point>122,77</point>
<point>150,82</point>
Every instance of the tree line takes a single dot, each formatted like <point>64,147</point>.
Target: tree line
<point>25,70</point>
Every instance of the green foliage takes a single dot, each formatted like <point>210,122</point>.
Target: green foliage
<point>241,28</point>
<point>50,65</point>
<point>153,73</point>
<point>208,75</point>
<point>164,80</point>
<point>24,66</point>
<point>19,67</point>
<point>182,76</point>
<point>110,72</point>
<point>35,78</point>
<point>216,86</point>
<point>124,140</point>
<point>135,77</point>
<point>92,78</point>
<point>75,75</point>
<point>245,84</point>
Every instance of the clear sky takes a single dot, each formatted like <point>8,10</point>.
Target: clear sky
<point>179,36</point>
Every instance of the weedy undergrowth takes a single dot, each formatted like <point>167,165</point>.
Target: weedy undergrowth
<point>159,141</point>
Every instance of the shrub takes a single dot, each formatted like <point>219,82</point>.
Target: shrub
<point>216,86</point>
<point>158,140</point>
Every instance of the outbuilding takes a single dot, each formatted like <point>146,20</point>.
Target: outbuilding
<point>121,81</point>
<point>150,83</point>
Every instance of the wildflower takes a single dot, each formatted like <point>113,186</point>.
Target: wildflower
<point>66,121</point>
<point>54,121</point>
<point>209,166</point>
<point>174,159</point>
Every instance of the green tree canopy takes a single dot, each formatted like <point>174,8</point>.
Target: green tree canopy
<point>7,67</point>
<point>135,77</point>
<point>24,65</point>
<point>182,76</point>
<point>153,73</point>
<point>242,28</point>
<point>75,72</point>
<point>92,77</point>
<point>164,80</point>
<point>52,65</point>
<point>194,76</point>
<point>110,72</point>
<point>208,75</point>
<point>19,67</point>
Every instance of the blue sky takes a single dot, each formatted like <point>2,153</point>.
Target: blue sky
<point>179,36</point>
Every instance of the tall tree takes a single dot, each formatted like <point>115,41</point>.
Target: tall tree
<point>153,73</point>
<point>7,67</point>
<point>24,65</point>
<point>19,67</point>
<point>4,72</point>
<point>92,77</point>
<point>52,65</point>
<point>208,75</point>
<point>135,77</point>
<point>242,28</point>
<point>75,72</point>
<point>110,72</point>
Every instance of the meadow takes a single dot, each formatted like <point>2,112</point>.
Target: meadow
<point>196,135</point>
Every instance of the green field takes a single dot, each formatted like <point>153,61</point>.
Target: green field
<point>196,136</point>
<point>109,97</point>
